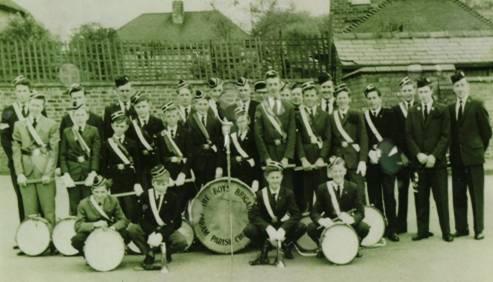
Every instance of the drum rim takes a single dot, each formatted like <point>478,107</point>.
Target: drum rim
<point>35,218</point>
<point>202,191</point>
<point>105,229</point>
<point>54,231</point>
<point>384,224</point>
<point>348,227</point>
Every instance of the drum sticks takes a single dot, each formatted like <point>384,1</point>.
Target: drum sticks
<point>133,193</point>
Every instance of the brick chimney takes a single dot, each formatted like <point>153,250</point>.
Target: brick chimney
<point>178,12</point>
<point>347,12</point>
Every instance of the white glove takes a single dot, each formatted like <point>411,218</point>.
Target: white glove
<point>69,182</point>
<point>154,239</point>
<point>90,179</point>
<point>361,170</point>
<point>346,218</point>
<point>306,164</point>
<point>281,234</point>
<point>319,163</point>
<point>325,222</point>
<point>373,155</point>
<point>271,231</point>
<point>255,185</point>
<point>219,172</point>
<point>138,189</point>
<point>58,172</point>
<point>21,179</point>
<point>251,162</point>
<point>180,179</point>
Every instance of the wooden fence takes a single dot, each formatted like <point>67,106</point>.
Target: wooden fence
<point>103,60</point>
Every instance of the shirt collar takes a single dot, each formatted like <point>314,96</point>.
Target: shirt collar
<point>377,111</point>
<point>429,105</point>
<point>464,100</point>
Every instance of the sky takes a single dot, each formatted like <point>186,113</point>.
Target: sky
<point>62,16</point>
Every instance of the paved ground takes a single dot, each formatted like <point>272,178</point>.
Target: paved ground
<point>431,260</point>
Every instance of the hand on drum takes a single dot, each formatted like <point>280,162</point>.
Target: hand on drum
<point>180,179</point>
<point>138,189</point>
<point>251,162</point>
<point>100,223</point>
<point>346,218</point>
<point>155,239</point>
<point>325,222</point>
<point>21,179</point>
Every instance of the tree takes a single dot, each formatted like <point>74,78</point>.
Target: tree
<point>93,32</point>
<point>25,28</point>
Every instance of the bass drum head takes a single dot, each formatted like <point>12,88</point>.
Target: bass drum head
<point>210,215</point>
<point>305,243</point>
<point>339,243</point>
<point>33,236</point>
<point>104,249</point>
<point>376,221</point>
<point>62,236</point>
<point>182,239</point>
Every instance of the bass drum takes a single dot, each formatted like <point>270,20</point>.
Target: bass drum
<point>62,236</point>
<point>305,245</point>
<point>339,243</point>
<point>376,221</point>
<point>104,249</point>
<point>217,206</point>
<point>33,235</point>
<point>182,239</point>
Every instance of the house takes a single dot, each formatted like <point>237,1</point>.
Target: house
<point>9,9</point>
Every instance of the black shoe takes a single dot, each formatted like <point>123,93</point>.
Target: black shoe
<point>168,256</point>
<point>401,230</point>
<point>422,236</point>
<point>263,256</point>
<point>479,236</point>
<point>320,254</point>
<point>393,237</point>
<point>288,251</point>
<point>448,238</point>
<point>359,254</point>
<point>15,247</point>
<point>151,266</point>
<point>149,259</point>
<point>461,233</point>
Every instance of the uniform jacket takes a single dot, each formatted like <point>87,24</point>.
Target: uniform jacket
<point>93,120</point>
<point>385,124</point>
<point>320,125</point>
<point>108,111</point>
<point>169,213</point>
<point>87,215</point>
<point>182,141</point>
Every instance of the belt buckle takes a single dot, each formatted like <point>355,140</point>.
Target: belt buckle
<point>344,144</point>
<point>238,158</point>
<point>277,142</point>
<point>120,166</point>
<point>145,152</point>
<point>81,159</point>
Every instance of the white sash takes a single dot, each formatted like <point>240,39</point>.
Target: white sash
<point>98,208</point>
<point>175,148</point>
<point>141,137</point>
<point>313,139</point>
<point>333,198</point>
<point>155,210</point>
<point>34,134</point>
<point>81,141</point>
<point>343,132</point>
<point>239,149</point>
<point>403,109</point>
<point>203,129</point>
<point>372,126</point>
<point>181,111</point>
<point>118,152</point>
<point>271,117</point>
<point>18,112</point>
<point>265,197</point>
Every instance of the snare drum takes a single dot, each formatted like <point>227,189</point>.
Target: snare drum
<point>305,244</point>
<point>104,249</point>
<point>376,221</point>
<point>339,243</point>
<point>33,235</point>
<point>62,236</point>
<point>211,210</point>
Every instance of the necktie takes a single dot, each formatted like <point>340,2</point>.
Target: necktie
<point>80,130</point>
<point>203,120</point>
<point>408,105</point>
<point>336,189</point>
<point>35,122</point>
<point>244,107</point>
<point>327,105</point>
<point>425,112</point>
<point>342,115</point>
<point>173,133</point>
<point>24,110</point>
<point>186,112</point>
<point>461,110</point>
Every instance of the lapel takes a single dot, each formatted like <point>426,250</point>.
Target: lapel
<point>419,116</point>
<point>344,120</point>
<point>430,115</point>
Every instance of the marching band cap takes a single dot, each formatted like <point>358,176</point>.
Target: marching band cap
<point>323,77</point>
<point>117,116</point>
<point>181,84</point>
<point>260,86</point>
<point>158,170</point>
<point>297,84</point>
<point>138,97</point>
<point>214,82</point>
<point>168,107</point>
<point>405,81</point>
<point>21,80</point>
<point>342,87</point>
<point>240,82</point>
<point>75,87</point>
<point>75,107</point>
<point>273,166</point>
<point>37,95</point>
<point>229,85</point>
<point>370,88</point>
<point>121,80</point>
<point>284,85</point>
<point>99,181</point>
<point>424,82</point>
<point>335,161</point>
<point>271,74</point>
<point>458,75</point>
<point>199,95</point>
<point>307,86</point>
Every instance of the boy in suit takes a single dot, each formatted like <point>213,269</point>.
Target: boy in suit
<point>184,100</point>
<point>80,151</point>
<point>124,92</point>
<point>246,104</point>
<point>326,92</point>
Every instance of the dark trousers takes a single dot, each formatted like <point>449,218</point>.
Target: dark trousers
<point>472,177</point>
<point>79,239</point>
<point>381,194</point>
<point>139,237</point>
<point>314,230</point>
<point>13,177</point>
<point>311,180</point>
<point>356,178</point>
<point>434,180</point>
<point>258,235</point>
<point>403,181</point>
<point>130,207</point>
<point>75,195</point>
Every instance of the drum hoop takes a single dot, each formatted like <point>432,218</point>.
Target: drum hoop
<point>298,245</point>
<point>332,226</point>
<point>105,229</point>
<point>53,238</point>
<point>379,212</point>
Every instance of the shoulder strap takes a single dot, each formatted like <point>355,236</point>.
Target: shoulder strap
<point>82,142</point>
<point>18,112</point>
<point>239,149</point>
<point>140,135</point>
<point>154,209</point>
<point>333,198</point>
<point>118,151</point>
<point>343,132</point>
<point>403,109</point>
<point>372,126</point>
<point>313,138</point>
<point>98,208</point>
<point>273,120</point>
<point>202,128</point>
<point>34,134</point>
<point>171,143</point>
<point>268,207</point>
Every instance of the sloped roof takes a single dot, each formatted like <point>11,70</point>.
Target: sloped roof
<point>362,50</point>
<point>421,15</point>
<point>11,6</point>
<point>197,26</point>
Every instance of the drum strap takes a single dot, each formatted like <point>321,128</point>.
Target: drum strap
<point>274,121</point>
<point>403,109</point>
<point>140,135</point>
<point>372,126</point>
<point>99,209</point>
<point>154,208</point>
<point>204,131</point>
<point>333,197</point>
<point>81,142</point>
<point>18,111</point>
<point>268,207</point>
<point>118,151</point>
<point>172,144</point>
<point>343,132</point>
<point>181,111</point>
<point>239,149</point>
<point>313,138</point>
<point>34,134</point>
